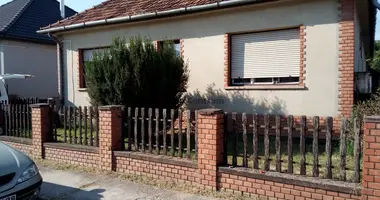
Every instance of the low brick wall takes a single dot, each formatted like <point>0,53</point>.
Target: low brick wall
<point>72,154</point>
<point>284,186</point>
<point>22,144</point>
<point>158,167</point>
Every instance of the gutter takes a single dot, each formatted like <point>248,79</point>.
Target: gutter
<point>60,66</point>
<point>131,18</point>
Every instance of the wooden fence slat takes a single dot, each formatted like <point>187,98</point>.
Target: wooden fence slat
<point>92,129</point>
<point>196,134</point>
<point>255,143</point>
<point>143,129</point>
<point>23,117</point>
<point>150,113</point>
<point>278,143</point>
<point>17,121</point>
<point>164,132</point>
<point>188,129</point>
<point>172,147</point>
<point>315,146</point>
<point>6,113</point>
<point>157,131</point>
<point>245,145</point>
<point>9,131</point>
<point>357,151</point>
<point>136,147</point>
<point>290,144</point>
<point>13,129</point>
<point>235,141</point>
<point>70,114</point>
<point>225,137</point>
<point>97,127</point>
<point>266,143</point>
<point>65,124</point>
<point>329,126</point>
<point>85,117</point>
<point>343,149</point>
<point>180,133</point>
<point>75,125</point>
<point>29,122</point>
<point>80,125</point>
<point>129,128</point>
<point>302,146</point>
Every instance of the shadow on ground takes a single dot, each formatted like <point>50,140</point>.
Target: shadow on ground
<point>51,191</point>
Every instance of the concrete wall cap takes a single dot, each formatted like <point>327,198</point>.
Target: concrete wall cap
<point>39,105</point>
<point>210,111</point>
<point>110,107</point>
<point>375,119</point>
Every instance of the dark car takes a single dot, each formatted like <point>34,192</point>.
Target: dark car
<point>19,175</point>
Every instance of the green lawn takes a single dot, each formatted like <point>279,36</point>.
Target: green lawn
<point>296,156</point>
<point>75,134</point>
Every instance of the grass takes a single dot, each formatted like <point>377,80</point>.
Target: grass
<point>75,134</point>
<point>296,156</point>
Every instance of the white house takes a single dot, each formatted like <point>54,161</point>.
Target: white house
<point>287,56</point>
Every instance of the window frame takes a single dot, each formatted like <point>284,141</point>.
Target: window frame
<point>176,41</point>
<point>81,77</point>
<point>230,83</point>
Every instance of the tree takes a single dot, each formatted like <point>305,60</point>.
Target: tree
<point>136,74</point>
<point>375,61</point>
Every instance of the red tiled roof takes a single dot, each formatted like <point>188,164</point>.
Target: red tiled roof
<point>120,8</point>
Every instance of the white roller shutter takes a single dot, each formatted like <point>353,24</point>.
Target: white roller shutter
<point>266,54</point>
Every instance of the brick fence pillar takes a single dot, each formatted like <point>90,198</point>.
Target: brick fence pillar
<point>371,159</point>
<point>210,145</point>
<point>110,135</point>
<point>41,129</point>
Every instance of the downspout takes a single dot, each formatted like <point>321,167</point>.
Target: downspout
<point>60,66</point>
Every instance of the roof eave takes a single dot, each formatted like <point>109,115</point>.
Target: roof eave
<point>146,16</point>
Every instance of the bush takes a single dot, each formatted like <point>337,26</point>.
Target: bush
<point>368,107</point>
<point>137,75</point>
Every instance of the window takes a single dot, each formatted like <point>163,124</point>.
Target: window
<point>271,57</point>
<point>176,43</point>
<point>86,55</point>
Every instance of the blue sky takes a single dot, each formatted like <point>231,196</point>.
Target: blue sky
<point>80,5</point>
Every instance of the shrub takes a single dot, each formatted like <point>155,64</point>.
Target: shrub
<point>136,74</point>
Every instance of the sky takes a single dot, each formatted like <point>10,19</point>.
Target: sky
<point>80,5</point>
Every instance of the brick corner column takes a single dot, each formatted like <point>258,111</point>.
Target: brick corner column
<point>41,129</point>
<point>110,134</point>
<point>210,145</point>
<point>371,153</point>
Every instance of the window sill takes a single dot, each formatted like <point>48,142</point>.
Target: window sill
<point>266,87</point>
<point>82,89</point>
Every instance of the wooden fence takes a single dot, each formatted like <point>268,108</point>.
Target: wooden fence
<point>16,120</point>
<point>160,132</point>
<point>76,125</point>
<point>238,146</point>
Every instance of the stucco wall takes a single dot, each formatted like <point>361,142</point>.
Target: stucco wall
<point>29,58</point>
<point>204,50</point>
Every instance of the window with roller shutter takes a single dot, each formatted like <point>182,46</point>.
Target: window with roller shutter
<point>271,57</point>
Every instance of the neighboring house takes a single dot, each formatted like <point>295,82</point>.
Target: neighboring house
<point>295,57</point>
<point>24,51</point>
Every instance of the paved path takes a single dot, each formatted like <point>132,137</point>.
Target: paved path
<point>62,185</point>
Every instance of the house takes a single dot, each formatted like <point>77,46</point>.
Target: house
<point>296,57</point>
<point>24,51</point>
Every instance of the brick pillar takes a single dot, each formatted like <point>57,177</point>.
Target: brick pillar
<point>110,134</point>
<point>41,129</point>
<point>210,145</point>
<point>371,159</point>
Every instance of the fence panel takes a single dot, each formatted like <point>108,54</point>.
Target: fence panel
<point>71,125</point>
<point>16,120</point>
<point>156,131</point>
<point>285,145</point>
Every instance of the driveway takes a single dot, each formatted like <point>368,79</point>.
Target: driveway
<point>61,185</point>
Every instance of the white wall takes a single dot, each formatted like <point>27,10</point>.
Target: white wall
<point>204,50</point>
<point>29,58</point>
